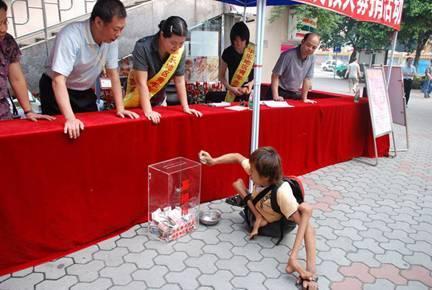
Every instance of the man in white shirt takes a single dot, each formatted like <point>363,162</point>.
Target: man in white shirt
<point>409,72</point>
<point>80,53</point>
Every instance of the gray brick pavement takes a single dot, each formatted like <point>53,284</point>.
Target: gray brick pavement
<point>373,232</point>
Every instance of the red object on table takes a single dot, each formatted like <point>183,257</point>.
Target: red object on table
<point>59,195</point>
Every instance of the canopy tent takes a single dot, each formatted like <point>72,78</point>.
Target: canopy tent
<point>386,12</point>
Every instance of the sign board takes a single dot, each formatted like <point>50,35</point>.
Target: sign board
<point>386,12</point>
<point>105,83</point>
<point>396,95</point>
<point>378,101</point>
<point>337,49</point>
<point>286,46</point>
<point>298,27</point>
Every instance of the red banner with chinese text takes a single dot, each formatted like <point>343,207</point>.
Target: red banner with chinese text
<point>386,12</point>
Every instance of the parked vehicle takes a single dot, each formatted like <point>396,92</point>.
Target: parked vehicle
<point>341,70</point>
<point>328,65</point>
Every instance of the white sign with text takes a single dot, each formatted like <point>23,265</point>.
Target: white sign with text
<point>378,101</point>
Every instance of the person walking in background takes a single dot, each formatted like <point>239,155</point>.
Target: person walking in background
<point>428,78</point>
<point>353,74</point>
<point>409,72</point>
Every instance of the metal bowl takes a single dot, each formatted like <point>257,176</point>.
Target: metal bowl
<point>210,217</point>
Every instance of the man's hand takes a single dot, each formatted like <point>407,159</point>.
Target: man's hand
<point>307,101</point>
<point>126,113</point>
<point>153,116</point>
<point>205,158</point>
<point>194,112</point>
<point>278,98</point>
<point>73,127</point>
<point>34,117</point>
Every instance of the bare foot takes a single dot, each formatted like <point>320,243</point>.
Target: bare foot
<point>294,266</point>
<point>253,233</point>
<point>259,222</point>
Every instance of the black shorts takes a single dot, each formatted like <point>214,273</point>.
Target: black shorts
<point>284,93</point>
<point>217,97</point>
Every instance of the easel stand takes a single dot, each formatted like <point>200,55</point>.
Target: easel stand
<point>379,108</point>
<point>406,131</point>
<point>394,151</point>
<point>396,92</point>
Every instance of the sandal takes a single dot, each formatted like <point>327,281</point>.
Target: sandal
<point>235,200</point>
<point>300,280</point>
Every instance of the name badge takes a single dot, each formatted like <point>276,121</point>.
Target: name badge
<point>105,83</point>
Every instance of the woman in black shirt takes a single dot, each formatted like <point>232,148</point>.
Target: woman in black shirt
<point>231,59</point>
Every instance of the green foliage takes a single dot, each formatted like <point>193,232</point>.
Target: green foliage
<point>417,83</point>
<point>275,13</point>
<point>416,26</point>
<point>336,29</point>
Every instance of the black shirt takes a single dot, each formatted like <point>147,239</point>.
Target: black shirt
<point>146,58</point>
<point>232,59</point>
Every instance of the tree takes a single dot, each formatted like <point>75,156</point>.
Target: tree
<point>336,29</point>
<point>416,27</point>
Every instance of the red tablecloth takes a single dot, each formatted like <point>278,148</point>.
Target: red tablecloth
<point>59,195</point>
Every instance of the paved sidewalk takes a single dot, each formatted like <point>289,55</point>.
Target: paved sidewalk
<point>373,224</point>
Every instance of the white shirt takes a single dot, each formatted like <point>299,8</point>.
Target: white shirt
<point>79,58</point>
<point>409,72</point>
<point>353,70</point>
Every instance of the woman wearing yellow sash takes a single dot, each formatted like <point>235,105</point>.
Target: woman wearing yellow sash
<point>238,58</point>
<point>157,59</point>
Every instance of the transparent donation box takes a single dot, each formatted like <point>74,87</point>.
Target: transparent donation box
<point>174,188</point>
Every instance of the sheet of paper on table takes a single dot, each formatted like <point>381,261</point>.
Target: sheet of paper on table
<point>276,104</point>
<point>237,108</point>
<point>221,104</point>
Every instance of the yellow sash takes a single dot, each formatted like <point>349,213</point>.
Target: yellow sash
<point>243,70</point>
<point>156,83</point>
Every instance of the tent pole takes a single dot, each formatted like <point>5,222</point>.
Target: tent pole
<point>222,38</point>
<point>244,13</point>
<point>395,36</point>
<point>261,4</point>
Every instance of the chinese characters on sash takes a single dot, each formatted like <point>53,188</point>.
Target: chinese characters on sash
<point>156,83</point>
